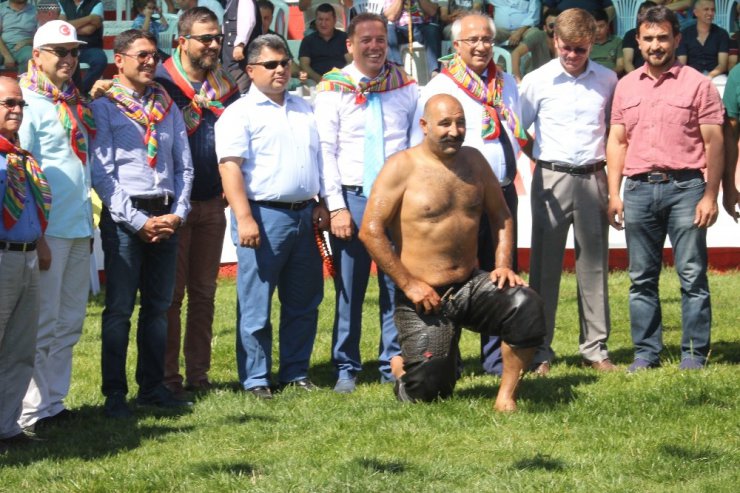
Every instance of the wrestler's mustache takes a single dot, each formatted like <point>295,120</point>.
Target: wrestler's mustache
<point>457,139</point>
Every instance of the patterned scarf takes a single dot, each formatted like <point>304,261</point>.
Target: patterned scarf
<point>157,105</point>
<point>490,96</point>
<point>392,77</point>
<point>68,102</point>
<point>21,164</point>
<point>214,92</point>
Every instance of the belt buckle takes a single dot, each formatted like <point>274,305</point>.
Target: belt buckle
<point>296,206</point>
<point>657,177</point>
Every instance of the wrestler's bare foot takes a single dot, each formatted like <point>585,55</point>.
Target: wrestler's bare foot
<point>515,361</point>
<point>397,366</point>
<point>504,405</point>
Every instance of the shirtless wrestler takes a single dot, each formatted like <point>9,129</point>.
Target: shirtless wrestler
<point>430,198</point>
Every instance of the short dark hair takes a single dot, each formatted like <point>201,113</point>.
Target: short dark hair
<point>365,17</point>
<point>326,8</point>
<point>265,4</point>
<point>600,15</point>
<point>658,15</point>
<point>646,5</point>
<point>124,40</point>
<point>272,41</point>
<point>191,16</point>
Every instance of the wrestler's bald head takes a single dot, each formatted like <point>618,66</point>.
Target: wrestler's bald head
<point>440,103</point>
<point>443,124</point>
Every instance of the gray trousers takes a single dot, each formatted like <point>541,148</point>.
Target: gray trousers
<point>560,200</point>
<point>19,318</point>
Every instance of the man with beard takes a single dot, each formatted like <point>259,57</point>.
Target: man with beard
<point>490,100</point>
<point>364,112</point>
<point>666,128</point>
<point>201,89</point>
<point>570,96</point>
<point>142,171</point>
<point>431,198</point>
<point>537,42</point>
<point>25,198</point>
<point>57,128</point>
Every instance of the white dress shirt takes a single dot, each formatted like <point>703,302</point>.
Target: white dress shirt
<point>570,114</point>
<point>491,149</point>
<point>513,14</point>
<point>279,145</point>
<point>341,124</point>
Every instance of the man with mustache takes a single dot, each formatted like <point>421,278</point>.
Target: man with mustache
<point>490,100</point>
<point>568,101</point>
<point>364,112</point>
<point>57,128</point>
<point>142,171</point>
<point>666,129</point>
<point>25,199</point>
<point>431,198</point>
<point>202,89</point>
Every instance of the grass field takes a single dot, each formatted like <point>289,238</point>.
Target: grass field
<point>661,430</point>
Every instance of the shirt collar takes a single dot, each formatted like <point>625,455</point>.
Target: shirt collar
<point>671,72</point>
<point>355,73</point>
<point>561,70</point>
<point>261,98</point>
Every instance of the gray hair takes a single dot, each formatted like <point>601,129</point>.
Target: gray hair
<point>272,41</point>
<point>457,25</point>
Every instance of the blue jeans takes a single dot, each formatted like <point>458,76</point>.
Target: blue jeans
<point>287,259</point>
<point>133,265</point>
<point>651,211</point>
<point>96,59</point>
<point>350,283</point>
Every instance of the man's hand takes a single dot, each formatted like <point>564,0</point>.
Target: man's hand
<point>100,87</point>
<point>706,213</point>
<point>502,276</point>
<point>424,296</point>
<point>153,229</point>
<point>238,53</point>
<point>341,224</point>
<point>615,213</point>
<point>731,202</point>
<point>515,38</point>
<point>44,254</point>
<point>320,216</point>
<point>170,221</point>
<point>249,233</point>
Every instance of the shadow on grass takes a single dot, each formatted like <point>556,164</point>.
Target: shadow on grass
<point>90,435</point>
<point>723,352</point>
<point>689,453</point>
<point>237,469</point>
<point>539,461</point>
<point>382,466</point>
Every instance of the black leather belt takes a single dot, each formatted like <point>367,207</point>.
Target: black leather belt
<point>666,176</point>
<point>17,247</point>
<point>291,206</point>
<point>152,204</point>
<point>572,169</point>
<point>352,188</point>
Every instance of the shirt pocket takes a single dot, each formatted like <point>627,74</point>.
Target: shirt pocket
<point>631,112</point>
<point>678,111</point>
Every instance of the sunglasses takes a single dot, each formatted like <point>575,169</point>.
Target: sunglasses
<point>273,64</point>
<point>206,39</point>
<point>579,50</point>
<point>11,103</point>
<point>62,52</point>
<point>143,56</point>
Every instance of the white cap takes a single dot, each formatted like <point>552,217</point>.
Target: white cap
<point>54,33</point>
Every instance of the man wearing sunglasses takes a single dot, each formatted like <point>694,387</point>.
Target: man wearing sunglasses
<point>537,42</point>
<point>201,89</point>
<point>570,96</point>
<point>142,171</point>
<point>270,164</point>
<point>57,129</point>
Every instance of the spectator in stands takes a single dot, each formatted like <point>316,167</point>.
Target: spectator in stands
<point>630,51</point>
<point>607,49</point>
<point>201,89</point>
<point>47,10</point>
<point>308,7</point>
<point>145,22</point>
<point>17,26</point>
<point>451,10</point>
<point>241,27</point>
<point>421,19</point>
<point>538,42</point>
<point>180,6</point>
<point>705,46</point>
<point>514,19</point>
<point>588,5</point>
<point>87,17</point>
<point>682,9</point>
<point>326,48</point>
<point>298,77</point>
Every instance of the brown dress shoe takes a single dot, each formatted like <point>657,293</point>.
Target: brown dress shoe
<point>605,365</point>
<point>542,370</point>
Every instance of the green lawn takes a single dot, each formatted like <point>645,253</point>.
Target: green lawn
<point>661,430</point>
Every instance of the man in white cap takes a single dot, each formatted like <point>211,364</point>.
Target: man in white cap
<point>56,130</point>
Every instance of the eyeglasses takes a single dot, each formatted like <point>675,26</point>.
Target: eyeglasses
<point>273,64</point>
<point>578,50</point>
<point>11,103</point>
<point>486,41</point>
<point>62,52</point>
<point>143,56</point>
<point>206,39</point>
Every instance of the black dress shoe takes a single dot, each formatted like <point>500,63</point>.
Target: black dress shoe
<point>163,399</point>
<point>261,392</point>
<point>301,383</point>
<point>116,408</point>
<point>60,417</point>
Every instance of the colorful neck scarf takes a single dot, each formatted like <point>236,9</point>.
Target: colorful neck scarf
<point>157,105</point>
<point>214,92</point>
<point>490,96</point>
<point>21,164</point>
<point>392,77</point>
<point>68,102</point>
